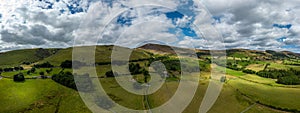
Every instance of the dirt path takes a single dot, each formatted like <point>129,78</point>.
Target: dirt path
<point>248,108</point>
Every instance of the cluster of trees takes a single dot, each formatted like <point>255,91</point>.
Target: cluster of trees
<point>71,64</point>
<point>287,77</point>
<point>44,65</point>
<point>65,78</point>
<point>249,71</point>
<point>243,68</point>
<point>10,69</point>
<point>66,64</point>
<point>233,66</point>
<point>135,69</point>
<point>32,70</point>
<point>19,77</point>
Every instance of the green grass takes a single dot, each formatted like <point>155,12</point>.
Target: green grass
<point>270,95</point>
<point>127,99</point>
<point>282,66</point>
<point>15,58</point>
<point>38,96</point>
<point>230,71</point>
<point>256,67</point>
<point>102,54</point>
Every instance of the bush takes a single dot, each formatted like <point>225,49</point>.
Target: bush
<point>19,77</point>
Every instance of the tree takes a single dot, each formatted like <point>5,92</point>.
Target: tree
<point>66,64</point>
<point>135,68</point>
<point>44,65</point>
<point>49,70</point>
<point>111,74</point>
<point>42,73</point>
<point>8,69</point>
<point>66,79</point>
<point>32,70</point>
<point>19,77</point>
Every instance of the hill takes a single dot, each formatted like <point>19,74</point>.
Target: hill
<point>244,91</point>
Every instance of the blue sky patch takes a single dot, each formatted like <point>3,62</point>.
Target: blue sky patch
<point>287,26</point>
<point>48,6</point>
<point>125,20</point>
<point>189,32</point>
<point>174,15</point>
<point>281,39</point>
<point>74,10</point>
<point>217,18</point>
<point>289,46</point>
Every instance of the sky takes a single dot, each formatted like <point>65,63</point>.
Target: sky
<point>248,24</point>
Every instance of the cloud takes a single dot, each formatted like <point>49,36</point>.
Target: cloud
<point>250,24</point>
<point>257,24</point>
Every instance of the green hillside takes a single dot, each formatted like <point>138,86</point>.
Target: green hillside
<point>251,84</point>
<point>17,57</point>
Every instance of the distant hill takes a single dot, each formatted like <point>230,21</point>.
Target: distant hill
<point>103,54</point>
<point>239,53</point>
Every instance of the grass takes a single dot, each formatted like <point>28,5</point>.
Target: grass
<point>38,96</point>
<point>126,99</point>
<point>230,71</point>
<point>15,58</point>
<point>282,66</point>
<point>256,67</point>
<point>275,96</point>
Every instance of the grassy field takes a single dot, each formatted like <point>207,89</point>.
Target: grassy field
<point>15,58</point>
<point>256,67</point>
<point>36,73</point>
<point>275,96</point>
<point>38,96</point>
<point>282,66</point>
